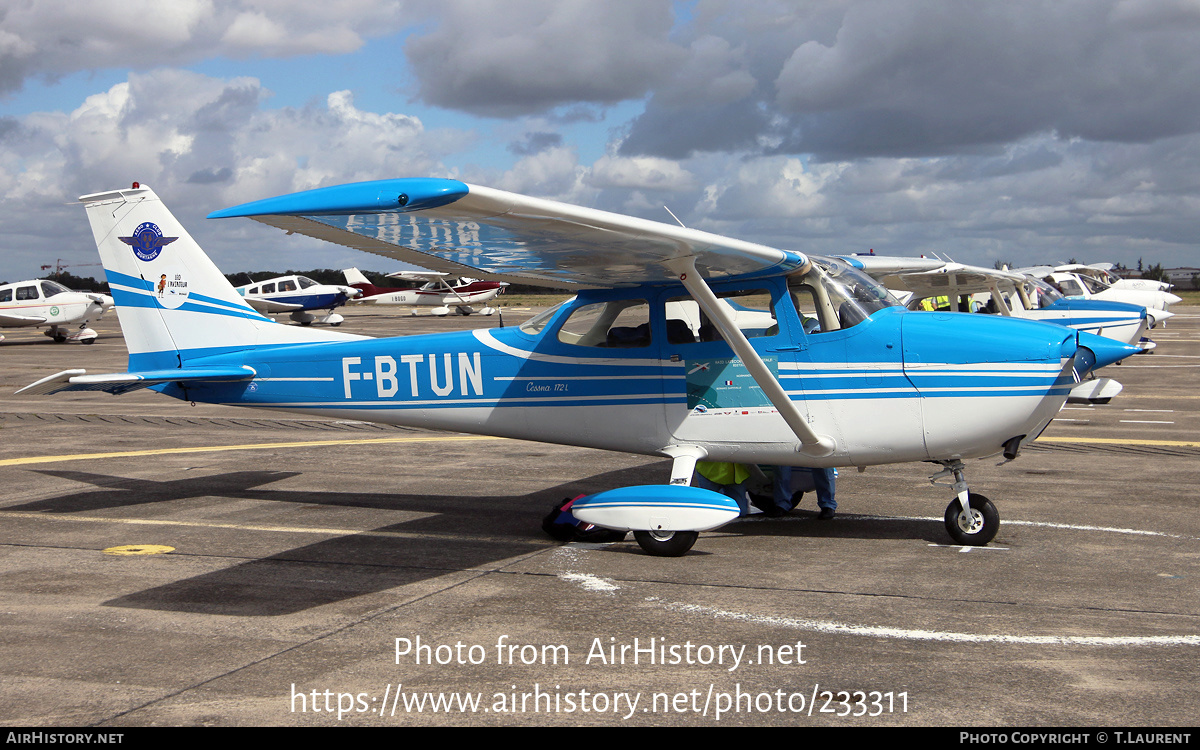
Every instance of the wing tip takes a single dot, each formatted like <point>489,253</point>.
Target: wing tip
<point>375,196</point>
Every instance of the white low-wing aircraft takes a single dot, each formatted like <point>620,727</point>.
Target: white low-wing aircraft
<point>42,302</point>
<point>297,295</point>
<point>435,291</point>
<point>1104,273</point>
<point>610,368</point>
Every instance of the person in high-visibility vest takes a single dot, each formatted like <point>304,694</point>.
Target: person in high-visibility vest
<point>727,478</point>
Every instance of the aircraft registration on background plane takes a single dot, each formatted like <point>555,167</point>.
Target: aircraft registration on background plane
<point>436,292</point>
<point>43,302</point>
<point>297,295</point>
<point>871,383</point>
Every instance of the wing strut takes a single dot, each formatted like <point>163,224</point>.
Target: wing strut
<point>812,444</point>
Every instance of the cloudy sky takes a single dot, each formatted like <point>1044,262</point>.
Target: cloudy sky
<point>1020,130</point>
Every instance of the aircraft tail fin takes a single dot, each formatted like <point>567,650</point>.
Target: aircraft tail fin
<point>355,276</point>
<point>174,304</point>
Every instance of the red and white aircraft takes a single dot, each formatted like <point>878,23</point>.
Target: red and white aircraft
<point>437,291</point>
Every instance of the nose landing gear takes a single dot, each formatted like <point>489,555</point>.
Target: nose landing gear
<point>971,519</point>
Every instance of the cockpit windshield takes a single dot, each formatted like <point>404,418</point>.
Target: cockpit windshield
<point>837,295</point>
<point>305,282</point>
<point>535,324</point>
<point>1043,293</point>
<point>51,288</point>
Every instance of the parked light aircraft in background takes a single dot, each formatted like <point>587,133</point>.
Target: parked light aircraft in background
<point>961,288</point>
<point>1103,272</point>
<point>436,291</point>
<point>871,384</point>
<point>1074,285</point>
<point>1003,292</point>
<point>297,295</point>
<point>42,302</point>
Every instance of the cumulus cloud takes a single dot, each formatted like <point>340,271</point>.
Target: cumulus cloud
<point>49,39</point>
<point>202,143</point>
<point>506,59</point>
<point>640,173</point>
<point>926,77</point>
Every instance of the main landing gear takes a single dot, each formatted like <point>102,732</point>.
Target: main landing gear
<point>971,519</point>
<point>666,543</point>
<point>84,335</point>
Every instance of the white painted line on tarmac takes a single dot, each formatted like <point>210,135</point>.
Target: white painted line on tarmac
<point>877,631</point>
<point>1007,522</point>
<point>1165,411</point>
<point>1143,421</point>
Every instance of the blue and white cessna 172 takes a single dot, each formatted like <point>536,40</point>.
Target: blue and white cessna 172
<point>611,368</point>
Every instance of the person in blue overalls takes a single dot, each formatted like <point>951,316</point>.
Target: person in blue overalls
<point>784,500</point>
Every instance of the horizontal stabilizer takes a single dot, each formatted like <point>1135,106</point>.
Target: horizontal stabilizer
<point>118,383</point>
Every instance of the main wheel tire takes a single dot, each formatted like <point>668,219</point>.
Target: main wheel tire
<point>88,341</point>
<point>982,525</point>
<point>666,543</point>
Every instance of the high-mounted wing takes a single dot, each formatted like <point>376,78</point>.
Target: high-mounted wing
<point>882,265</point>
<point>951,276</point>
<point>467,230</point>
<point>417,275</point>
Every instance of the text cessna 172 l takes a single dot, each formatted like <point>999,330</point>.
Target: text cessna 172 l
<point>42,302</point>
<point>871,384</point>
<point>435,292</point>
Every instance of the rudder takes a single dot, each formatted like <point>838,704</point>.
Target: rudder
<point>174,304</point>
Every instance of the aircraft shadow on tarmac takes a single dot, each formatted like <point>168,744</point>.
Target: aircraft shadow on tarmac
<point>460,534</point>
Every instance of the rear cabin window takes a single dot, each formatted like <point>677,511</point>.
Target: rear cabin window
<point>268,288</point>
<point>619,324</point>
<point>6,295</point>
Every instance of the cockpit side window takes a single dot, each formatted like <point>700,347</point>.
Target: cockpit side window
<point>750,309</point>
<point>287,286</point>
<point>840,296</point>
<point>1070,288</point>
<point>617,324</point>
<point>27,293</point>
<point>51,288</point>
